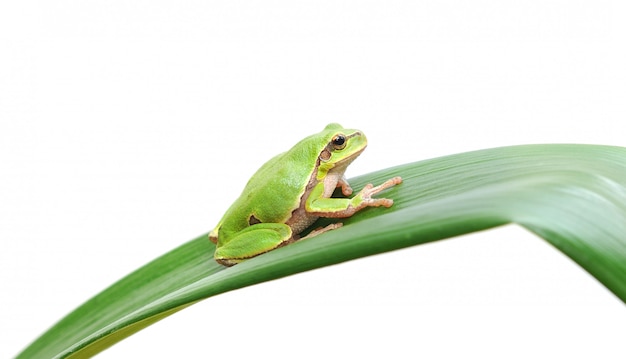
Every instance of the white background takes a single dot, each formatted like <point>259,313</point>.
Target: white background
<point>128,127</point>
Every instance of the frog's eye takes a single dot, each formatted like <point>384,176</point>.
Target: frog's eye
<point>339,142</point>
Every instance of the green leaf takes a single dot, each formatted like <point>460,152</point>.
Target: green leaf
<point>573,196</point>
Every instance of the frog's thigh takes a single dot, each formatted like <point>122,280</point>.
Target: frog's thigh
<point>255,240</point>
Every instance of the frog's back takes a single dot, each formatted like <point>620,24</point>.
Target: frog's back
<point>273,192</point>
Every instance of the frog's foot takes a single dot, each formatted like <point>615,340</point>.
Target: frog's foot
<point>321,230</point>
<point>369,190</point>
<point>346,207</point>
<point>346,190</point>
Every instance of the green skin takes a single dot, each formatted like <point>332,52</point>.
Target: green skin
<point>290,192</point>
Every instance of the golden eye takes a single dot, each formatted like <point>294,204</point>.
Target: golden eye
<point>339,142</point>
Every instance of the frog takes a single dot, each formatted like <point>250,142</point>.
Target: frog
<point>291,191</point>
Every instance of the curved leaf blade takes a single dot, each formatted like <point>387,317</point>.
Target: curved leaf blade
<point>573,196</point>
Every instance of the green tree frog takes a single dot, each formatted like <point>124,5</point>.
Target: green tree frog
<point>291,191</point>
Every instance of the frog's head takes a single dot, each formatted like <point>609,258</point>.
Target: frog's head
<point>339,147</point>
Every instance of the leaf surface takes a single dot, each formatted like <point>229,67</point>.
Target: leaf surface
<point>573,196</point>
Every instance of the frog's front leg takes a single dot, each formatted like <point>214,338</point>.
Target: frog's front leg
<point>346,190</point>
<point>318,205</point>
<point>364,198</point>
<point>252,241</point>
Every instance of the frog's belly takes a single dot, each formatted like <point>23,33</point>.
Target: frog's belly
<point>300,220</point>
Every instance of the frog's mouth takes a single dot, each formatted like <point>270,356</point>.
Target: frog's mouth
<point>341,165</point>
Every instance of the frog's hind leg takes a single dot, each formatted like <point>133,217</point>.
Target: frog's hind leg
<point>321,230</point>
<point>252,241</point>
